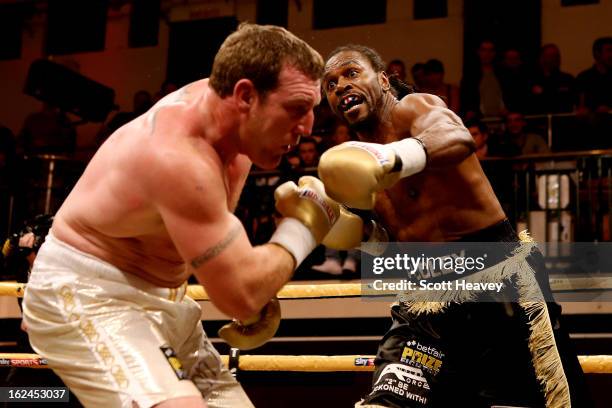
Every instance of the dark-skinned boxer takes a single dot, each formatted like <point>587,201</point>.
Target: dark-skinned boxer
<point>414,165</point>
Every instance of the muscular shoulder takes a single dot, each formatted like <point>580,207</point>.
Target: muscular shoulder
<point>183,174</point>
<point>413,106</point>
<point>175,112</point>
<point>420,101</point>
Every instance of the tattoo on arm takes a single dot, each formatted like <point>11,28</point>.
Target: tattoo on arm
<point>216,249</point>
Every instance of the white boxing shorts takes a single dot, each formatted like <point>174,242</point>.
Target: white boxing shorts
<point>117,340</point>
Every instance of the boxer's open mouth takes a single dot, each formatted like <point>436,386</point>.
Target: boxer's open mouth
<point>349,101</point>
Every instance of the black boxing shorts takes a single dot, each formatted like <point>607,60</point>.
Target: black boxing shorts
<point>476,355</point>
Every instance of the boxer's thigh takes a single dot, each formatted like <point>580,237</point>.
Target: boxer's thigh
<point>494,356</point>
<point>469,355</point>
<point>409,362</point>
<point>204,367</point>
<point>109,354</point>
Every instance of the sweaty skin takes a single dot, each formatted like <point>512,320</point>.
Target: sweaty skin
<point>126,229</point>
<point>157,198</point>
<point>451,197</point>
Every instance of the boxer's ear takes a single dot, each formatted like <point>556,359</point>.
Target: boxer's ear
<point>244,94</point>
<point>383,79</point>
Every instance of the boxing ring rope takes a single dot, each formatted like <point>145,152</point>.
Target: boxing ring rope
<point>197,292</point>
<point>600,364</point>
<point>336,290</point>
<point>293,291</point>
<point>596,364</point>
<point>12,289</point>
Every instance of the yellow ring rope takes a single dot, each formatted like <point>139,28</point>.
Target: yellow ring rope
<point>12,289</point>
<point>296,291</point>
<point>197,292</point>
<point>331,290</point>
<point>601,364</point>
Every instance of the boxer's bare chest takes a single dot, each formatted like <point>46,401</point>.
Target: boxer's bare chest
<point>410,211</point>
<point>437,205</point>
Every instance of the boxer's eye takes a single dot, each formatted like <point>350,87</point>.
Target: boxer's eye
<point>352,73</point>
<point>298,111</point>
<point>331,85</point>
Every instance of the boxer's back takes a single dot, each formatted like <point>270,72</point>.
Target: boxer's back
<point>111,212</point>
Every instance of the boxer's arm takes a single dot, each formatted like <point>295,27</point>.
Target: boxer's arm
<point>353,172</point>
<point>445,138</point>
<point>239,278</point>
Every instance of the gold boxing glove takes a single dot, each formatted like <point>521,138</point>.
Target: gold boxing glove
<point>353,172</point>
<point>346,233</point>
<point>253,332</point>
<point>350,231</point>
<point>309,215</point>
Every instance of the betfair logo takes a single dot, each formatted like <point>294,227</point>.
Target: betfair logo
<point>429,363</point>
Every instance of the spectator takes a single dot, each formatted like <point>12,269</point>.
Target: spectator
<point>595,83</point>
<point>434,84</point>
<point>481,91</point>
<point>308,153</point>
<point>7,153</point>
<point>318,135</point>
<point>293,160</point>
<point>516,141</point>
<point>141,103</point>
<point>339,263</point>
<point>480,133</point>
<point>341,133</point>
<point>8,177</point>
<point>396,71</point>
<point>552,90</point>
<point>324,118</point>
<point>397,68</point>
<point>514,81</point>
<point>595,87</point>
<point>418,75</point>
<point>47,131</point>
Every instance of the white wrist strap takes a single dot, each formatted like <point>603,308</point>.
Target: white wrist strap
<point>413,156</point>
<point>295,237</point>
